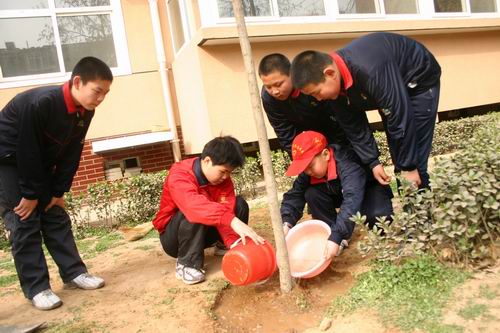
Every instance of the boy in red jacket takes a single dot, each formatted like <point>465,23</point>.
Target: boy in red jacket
<point>198,207</point>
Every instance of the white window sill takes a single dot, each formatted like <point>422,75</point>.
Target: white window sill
<point>108,145</point>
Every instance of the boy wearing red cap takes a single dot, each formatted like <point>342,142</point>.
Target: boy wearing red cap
<point>331,177</point>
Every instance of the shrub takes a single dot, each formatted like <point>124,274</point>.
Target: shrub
<point>245,178</point>
<point>140,197</point>
<point>281,160</point>
<point>128,201</point>
<point>459,219</point>
<point>448,136</point>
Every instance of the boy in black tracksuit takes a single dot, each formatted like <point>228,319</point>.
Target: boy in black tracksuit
<point>289,111</point>
<point>42,132</point>
<point>330,177</point>
<point>389,72</point>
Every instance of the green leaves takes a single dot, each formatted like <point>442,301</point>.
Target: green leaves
<point>459,220</point>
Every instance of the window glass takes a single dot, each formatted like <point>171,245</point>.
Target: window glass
<point>400,6</point>
<point>251,8</point>
<point>80,3</point>
<point>27,47</point>
<point>175,18</point>
<point>86,35</point>
<point>357,6</point>
<point>23,4</point>
<point>301,7</point>
<point>483,6</point>
<point>449,6</point>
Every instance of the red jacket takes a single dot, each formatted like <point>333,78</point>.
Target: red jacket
<point>186,189</point>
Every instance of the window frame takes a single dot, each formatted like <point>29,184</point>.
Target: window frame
<point>210,16</point>
<point>114,11</point>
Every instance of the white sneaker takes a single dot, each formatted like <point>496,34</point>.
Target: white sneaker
<point>189,275</point>
<point>46,300</point>
<point>86,281</point>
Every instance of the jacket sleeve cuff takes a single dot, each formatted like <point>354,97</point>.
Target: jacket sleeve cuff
<point>57,194</point>
<point>336,238</point>
<point>374,164</point>
<point>227,218</point>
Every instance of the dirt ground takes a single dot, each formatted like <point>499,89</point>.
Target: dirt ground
<point>142,295</point>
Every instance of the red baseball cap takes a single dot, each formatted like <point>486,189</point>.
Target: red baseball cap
<point>305,146</point>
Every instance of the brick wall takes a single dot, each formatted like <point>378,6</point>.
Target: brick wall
<point>152,158</point>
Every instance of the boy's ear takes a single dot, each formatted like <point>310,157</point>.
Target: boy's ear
<point>330,72</point>
<point>77,81</point>
<point>326,153</point>
<point>206,160</point>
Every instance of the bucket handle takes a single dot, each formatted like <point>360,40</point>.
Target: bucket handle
<point>236,242</point>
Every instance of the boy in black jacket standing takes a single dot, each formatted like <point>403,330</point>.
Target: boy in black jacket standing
<point>331,177</point>
<point>42,132</point>
<point>385,71</point>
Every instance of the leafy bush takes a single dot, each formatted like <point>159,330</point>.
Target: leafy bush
<point>281,160</point>
<point>128,201</point>
<point>448,136</point>
<point>140,197</point>
<point>459,219</point>
<point>246,178</point>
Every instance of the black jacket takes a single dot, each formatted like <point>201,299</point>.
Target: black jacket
<point>387,69</point>
<point>298,114</point>
<point>46,141</point>
<point>349,186</point>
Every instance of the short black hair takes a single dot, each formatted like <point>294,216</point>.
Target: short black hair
<point>274,62</point>
<point>307,68</point>
<point>224,150</point>
<point>90,69</point>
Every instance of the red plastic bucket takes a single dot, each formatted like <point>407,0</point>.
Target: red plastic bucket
<point>249,263</point>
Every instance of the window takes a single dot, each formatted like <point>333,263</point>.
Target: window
<point>250,7</point>
<point>449,6</point>
<point>301,7</point>
<point>42,40</point>
<point>483,6</point>
<point>177,17</point>
<point>215,12</point>
<point>401,6</point>
<point>357,6</point>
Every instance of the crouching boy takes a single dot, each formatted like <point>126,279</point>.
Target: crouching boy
<point>330,177</point>
<point>199,207</point>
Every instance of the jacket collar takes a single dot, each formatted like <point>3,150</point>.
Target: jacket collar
<point>68,100</point>
<point>344,71</point>
<point>200,177</point>
<point>331,172</point>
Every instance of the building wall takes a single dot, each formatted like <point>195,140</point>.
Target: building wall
<point>152,158</point>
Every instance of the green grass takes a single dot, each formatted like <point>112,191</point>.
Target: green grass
<point>7,280</point>
<point>146,247</point>
<point>487,293</point>
<point>472,311</point>
<point>74,326</point>
<point>410,296</point>
<point>7,264</point>
<point>89,248</point>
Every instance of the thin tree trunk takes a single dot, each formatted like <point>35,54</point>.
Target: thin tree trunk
<point>265,151</point>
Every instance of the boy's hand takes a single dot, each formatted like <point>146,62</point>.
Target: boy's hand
<point>244,231</point>
<point>412,176</point>
<point>55,202</point>
<point>380,175</point>
<point>25,208</point>
<point>331,250</point>
<point>286,229</point>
